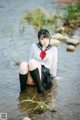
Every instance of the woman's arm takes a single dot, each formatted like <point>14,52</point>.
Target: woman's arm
<point>53,70</point>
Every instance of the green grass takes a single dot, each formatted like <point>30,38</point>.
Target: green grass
<point>73,13</point>
<point>39,18</point>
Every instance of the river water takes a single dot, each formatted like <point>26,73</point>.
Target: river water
<point>15,43</point>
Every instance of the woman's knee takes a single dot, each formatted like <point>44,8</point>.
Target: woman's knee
<point>33,64</point>
<point>23,69</point>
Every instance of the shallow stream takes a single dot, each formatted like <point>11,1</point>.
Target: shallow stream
<point>14,47</point>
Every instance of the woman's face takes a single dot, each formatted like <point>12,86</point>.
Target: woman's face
<point>44,41</point>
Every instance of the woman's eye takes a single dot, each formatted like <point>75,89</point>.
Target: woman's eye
<point>41,39</point>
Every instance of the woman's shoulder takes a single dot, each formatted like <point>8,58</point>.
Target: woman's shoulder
<point>54,48</point>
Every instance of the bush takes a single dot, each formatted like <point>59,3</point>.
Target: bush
<point>39,17</point>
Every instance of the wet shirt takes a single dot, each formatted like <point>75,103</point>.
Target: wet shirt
<point>48,57</point>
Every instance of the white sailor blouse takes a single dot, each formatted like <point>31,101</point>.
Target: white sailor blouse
<point>48,57</point>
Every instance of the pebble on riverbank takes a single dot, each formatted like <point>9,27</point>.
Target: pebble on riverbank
<point>60,29</point>
<point>72,42</point>
<point>54,42</point>
<point>26,118</point>
<point>71,48</point>
<point>60,37</point>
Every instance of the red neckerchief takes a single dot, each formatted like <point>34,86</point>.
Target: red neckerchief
<point>43,52</point>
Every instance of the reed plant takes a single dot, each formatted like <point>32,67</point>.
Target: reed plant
<point>39,104</point>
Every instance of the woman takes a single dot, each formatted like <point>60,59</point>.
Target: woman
<point>42,65</point>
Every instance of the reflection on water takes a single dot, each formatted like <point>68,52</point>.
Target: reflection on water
<point>30,92</point>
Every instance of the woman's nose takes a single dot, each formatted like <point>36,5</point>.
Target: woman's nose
<point>45,40</point>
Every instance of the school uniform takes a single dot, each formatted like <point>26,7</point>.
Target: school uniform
<point>48,60</point>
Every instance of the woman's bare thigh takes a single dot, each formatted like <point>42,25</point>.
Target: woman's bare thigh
<point>30,80</point>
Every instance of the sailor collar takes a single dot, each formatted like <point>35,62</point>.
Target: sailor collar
<point>40,46</point>
<point>43,52</point>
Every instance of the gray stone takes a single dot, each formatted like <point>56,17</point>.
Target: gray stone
<point>71,48</point>
<point>26,118</point>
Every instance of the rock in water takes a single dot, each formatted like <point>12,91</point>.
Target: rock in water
<point>70,48</point>
<point>26,118</point>
<point>54,42</point>
<point>60,37</point>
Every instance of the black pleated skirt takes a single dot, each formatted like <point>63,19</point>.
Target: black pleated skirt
<point>46,80</point>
